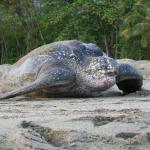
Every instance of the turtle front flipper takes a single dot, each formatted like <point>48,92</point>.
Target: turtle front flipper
<point>128,79</point>
<point>53,81</point>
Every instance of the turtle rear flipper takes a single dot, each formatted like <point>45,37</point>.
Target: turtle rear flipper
<point>49,82</point>
<point>129,79</point>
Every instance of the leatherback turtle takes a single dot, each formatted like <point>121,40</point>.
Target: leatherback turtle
<point>67,68</point>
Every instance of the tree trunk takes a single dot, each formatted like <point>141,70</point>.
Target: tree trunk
<point>1,50</point>
<point>20,15</point>
<point>111,44</point>
<point>34,22</point>
<point>116,47</point>
<point>106,44</point>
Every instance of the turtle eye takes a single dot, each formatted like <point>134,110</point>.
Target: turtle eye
<point>110,73</point>
<point>72,56</point>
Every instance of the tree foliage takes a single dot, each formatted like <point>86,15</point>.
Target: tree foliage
<point>136,30</point>
<point>120,27</point>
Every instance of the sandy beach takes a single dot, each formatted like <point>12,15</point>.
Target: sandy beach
<point>110,122</point>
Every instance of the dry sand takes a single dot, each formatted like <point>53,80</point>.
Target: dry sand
<point>110,122</point>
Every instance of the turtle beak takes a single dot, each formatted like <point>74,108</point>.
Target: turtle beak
<point>103,84</point>
<point>109,82</point>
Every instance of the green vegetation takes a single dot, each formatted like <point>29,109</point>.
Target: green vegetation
<point>120,27</point>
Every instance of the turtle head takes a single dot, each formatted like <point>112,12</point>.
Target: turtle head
<point>100,74</point>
